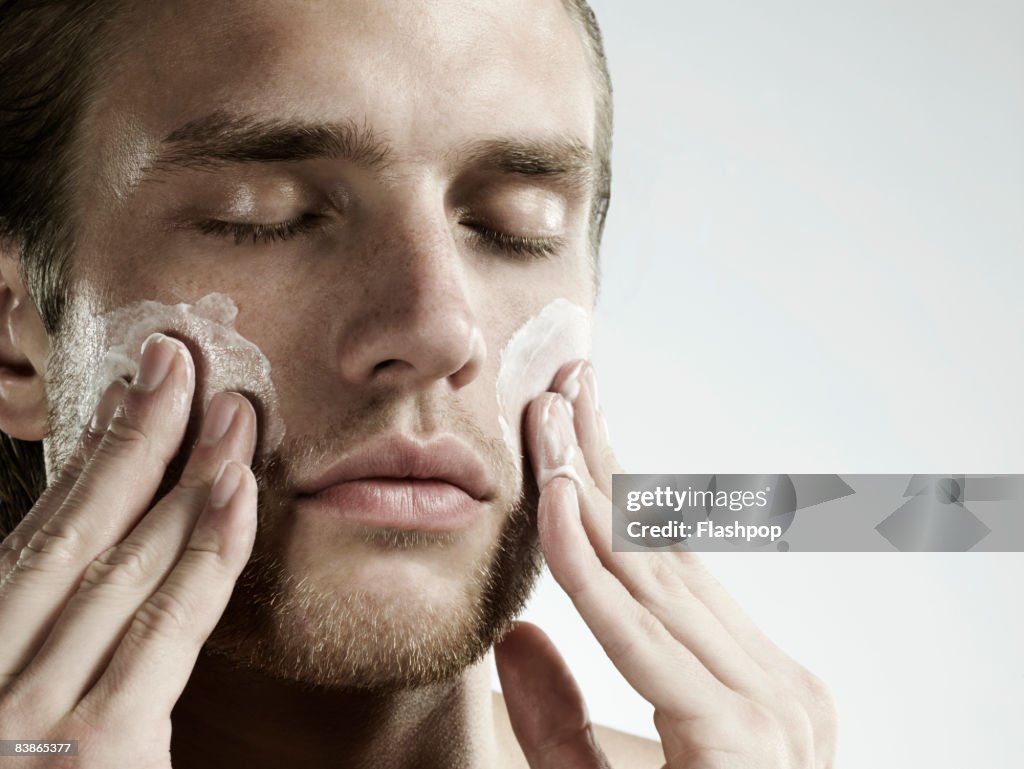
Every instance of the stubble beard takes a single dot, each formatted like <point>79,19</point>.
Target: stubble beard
<point>282,625</point>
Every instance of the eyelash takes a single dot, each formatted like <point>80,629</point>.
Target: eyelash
<point>259,233</point>
<point>535,248</point>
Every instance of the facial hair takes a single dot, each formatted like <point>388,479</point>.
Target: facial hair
<point>280,624</point>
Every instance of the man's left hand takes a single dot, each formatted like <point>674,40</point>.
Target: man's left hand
<point>725,697</point>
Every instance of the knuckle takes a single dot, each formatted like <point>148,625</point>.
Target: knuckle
<point>666,587</point>
<point>819,692</point>
<point>124,565</point>
<point>819,695</point>
<point>696,572</point>
<point>163,616</point>
<point>649,626</point>
<point>821,712</point>
<point>126,432</point>
<point>206,549</point>
<point>665,574</point>
<point>621,647</point>
<point>661,570</point>
<point>645,626</point>
<point>89,721</point>
<point>758,723</point>
<point>12,544</point>
<point>56,544</point>
<point>793,720</point>
<point>192,483</point>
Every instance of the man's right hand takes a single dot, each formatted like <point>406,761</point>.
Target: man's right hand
<point>106,597</point>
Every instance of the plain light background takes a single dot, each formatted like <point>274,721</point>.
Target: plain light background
<point>814,263</point>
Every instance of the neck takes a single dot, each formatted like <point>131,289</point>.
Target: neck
<point>231,717</point>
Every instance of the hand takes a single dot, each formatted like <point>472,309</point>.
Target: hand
<point>725,696</point>
<point>105,597</point>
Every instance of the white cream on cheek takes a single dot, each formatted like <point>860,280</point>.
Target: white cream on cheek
<point>229,361</point>
<point>534,353</point>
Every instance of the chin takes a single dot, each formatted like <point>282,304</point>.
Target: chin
<point>392,561</point>
<point>379,609</point>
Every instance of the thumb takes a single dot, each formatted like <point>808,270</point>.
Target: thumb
<point>545,707</point>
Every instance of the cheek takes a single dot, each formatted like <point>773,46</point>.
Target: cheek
<point>559,333</point>
<point>224,359</point>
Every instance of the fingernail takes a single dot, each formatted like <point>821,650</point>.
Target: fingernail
<point>228,479</point>
<point>158,352</point>
<point>559,452</point>
<point>557,436</point>
<point>107,407</point>
<point>218,419</point>
<point>570,388</point>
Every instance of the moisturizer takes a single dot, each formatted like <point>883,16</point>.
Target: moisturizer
<point>559,333</point>
<point>225,360</point>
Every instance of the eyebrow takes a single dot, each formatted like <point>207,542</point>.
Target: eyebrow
<point>563,159</point>
<point>222,139</point>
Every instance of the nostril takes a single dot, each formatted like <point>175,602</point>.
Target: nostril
<point>384,365</point>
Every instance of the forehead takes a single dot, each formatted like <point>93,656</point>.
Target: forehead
<point>426,75</point>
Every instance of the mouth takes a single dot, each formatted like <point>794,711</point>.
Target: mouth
<point>438,486</point>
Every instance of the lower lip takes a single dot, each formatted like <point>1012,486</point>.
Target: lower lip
<point>398,503</point>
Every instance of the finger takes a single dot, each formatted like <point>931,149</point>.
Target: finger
<point>662,670</point>
<point>545,706</point>
<point>577,383</point>
<point>107,499</point>
<point>154,660</point>
<point>57,491</point>
<point>812,693</point>
<point>553,449</point>
<point>654,579</point>
<point>122,578</point>
<point>719,634</point>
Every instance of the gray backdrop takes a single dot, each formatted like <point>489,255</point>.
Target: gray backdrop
<point>813,264</point>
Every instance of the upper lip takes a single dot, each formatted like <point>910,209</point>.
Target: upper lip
<point>442,459</point>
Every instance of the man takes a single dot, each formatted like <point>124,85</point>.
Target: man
<point>348,220</point>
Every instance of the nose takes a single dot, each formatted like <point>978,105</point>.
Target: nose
<point>415,323</point>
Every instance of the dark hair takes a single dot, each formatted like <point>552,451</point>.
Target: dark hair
<point>580,11</point>
<point>49,55</point>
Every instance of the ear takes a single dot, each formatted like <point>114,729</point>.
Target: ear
<point>24,346</point>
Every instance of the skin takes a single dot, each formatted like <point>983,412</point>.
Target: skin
<point>110,599</point>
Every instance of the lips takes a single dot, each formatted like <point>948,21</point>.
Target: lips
<point>441,485</point>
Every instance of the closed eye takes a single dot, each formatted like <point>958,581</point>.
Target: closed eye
<point>519,245</point>
<point>259,232</point>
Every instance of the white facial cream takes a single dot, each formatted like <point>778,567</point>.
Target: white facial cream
<point>559,333</point>
<point>226,360</point>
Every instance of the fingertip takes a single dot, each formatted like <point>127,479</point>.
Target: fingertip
<point>249,424</point>
<point>248,501</point>
<point>231,507</point>
<point>226,484</point>
<point>107,407</point>
<point>558,500</point>
<point>544,702</point>
<point>568,382</point>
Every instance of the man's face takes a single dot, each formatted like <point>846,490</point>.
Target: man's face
<point>387,191</point>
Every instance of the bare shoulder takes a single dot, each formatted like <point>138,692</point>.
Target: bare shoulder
<point>624,751</point>
<point>627,751</point>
